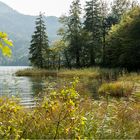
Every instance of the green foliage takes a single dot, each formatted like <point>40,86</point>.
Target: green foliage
<point>72,34</point>
<point>116,89</point>
<point>93,24</point>
<point>95,72</point>
<point>75,32</point>
<point>39,44</point>
<point>87,40</point>
<point>118,9</point>
<point>65,114</point>
<point>102,38</point>
<point>4,44</point>
<point>123,42</point>
<point>133,77</point>
<point>11,119</point>
<point>56,54</point>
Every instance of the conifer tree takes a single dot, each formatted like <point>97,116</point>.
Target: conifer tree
<point>74,31</point>
<point>72,34</point>
<point>39,44</point>
<point>105,26</point>
<point>93,24</point>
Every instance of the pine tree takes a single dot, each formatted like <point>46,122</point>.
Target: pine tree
<point>39,44</point>
<point>93,24</point>
<point>105,26</point>
<point>72,34</point>
<point>74,31</point>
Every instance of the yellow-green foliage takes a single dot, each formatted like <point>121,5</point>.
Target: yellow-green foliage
<point>11,119</point>
<point>4,44</point>
<point>133,77</point>
<point>66,115</point>
<point>94,72</point>
<point>116,89</point>
<point>87,72</point>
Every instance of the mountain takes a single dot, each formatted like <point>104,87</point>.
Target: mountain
<point>20,28</point>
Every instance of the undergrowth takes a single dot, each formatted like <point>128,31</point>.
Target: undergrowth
<point>65,114</point>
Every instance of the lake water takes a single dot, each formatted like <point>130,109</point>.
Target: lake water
<point>31,89</point>
<point>26,88</point>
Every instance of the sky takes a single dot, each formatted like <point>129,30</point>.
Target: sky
<point>49,7</point>
<point>33,7</point>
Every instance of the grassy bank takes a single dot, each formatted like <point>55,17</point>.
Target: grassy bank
<point>67,115</point>
<point>62,73</point>
<point>95,80</point>
<point>35,72</point>
<point>87,72</point>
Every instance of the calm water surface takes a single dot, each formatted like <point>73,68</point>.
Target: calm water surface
<point>31,89</point>
<point>25,88</point>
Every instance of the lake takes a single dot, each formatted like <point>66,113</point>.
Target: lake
<point>25,88</point>
<point>31,89</point>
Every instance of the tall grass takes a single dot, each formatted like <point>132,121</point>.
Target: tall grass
<point>115,82</point>
<point>95,72</point>
<point>116,89</point>
<point>65,114</point>
<point>35,72</point>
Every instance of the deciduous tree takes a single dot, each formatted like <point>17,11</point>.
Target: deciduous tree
<point>123,48</point>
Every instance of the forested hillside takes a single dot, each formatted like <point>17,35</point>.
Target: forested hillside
<point>20,27</point>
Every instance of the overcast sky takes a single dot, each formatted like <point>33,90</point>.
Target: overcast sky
<point>33,7</point>
<point>50,7</point>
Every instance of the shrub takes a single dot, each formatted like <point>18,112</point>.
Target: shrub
<point>65,115</point>
<point>11,118</point>
<point>116,89</point>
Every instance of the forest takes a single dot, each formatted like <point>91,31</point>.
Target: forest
<point>85,84</point>
<point>103,37</point>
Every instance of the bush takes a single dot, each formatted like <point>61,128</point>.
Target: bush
<point>65,115</point>
<point>116,89</point>
<point>11,118</point>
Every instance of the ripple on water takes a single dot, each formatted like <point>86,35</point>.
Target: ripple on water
<point>22,87</point>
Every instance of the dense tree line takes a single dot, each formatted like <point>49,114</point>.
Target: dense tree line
<point>123,48</point>
<point>107,35</point>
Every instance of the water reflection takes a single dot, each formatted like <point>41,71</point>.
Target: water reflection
<point>30,89</point>
<point>25,88</point>
<point>38,85</point>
